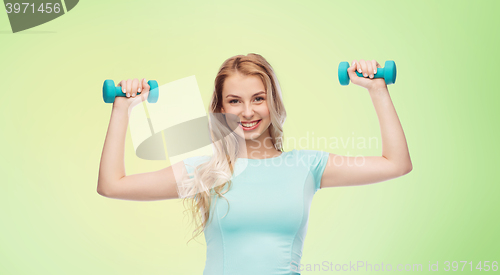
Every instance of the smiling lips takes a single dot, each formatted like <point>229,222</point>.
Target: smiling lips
<point>247,126</point>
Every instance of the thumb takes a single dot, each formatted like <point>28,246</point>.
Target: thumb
<point>145,85</point>
<point>352,70</point>
<point>145,94</point>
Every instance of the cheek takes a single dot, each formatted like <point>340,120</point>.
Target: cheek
<point>228,108</point>
<point>268,117</point>
<point>264,111</point>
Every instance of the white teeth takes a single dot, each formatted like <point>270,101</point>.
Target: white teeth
<point>249,124</point>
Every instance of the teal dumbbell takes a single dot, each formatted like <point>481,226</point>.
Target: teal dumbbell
<point>388,73</point>
<point>110,91</point>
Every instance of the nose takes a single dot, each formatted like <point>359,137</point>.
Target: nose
<point>248,112</point>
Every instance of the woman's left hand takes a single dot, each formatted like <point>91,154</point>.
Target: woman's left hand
<point>368,69</point>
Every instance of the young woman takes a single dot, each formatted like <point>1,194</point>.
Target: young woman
<point>260,226</point>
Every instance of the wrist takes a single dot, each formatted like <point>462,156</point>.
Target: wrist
<point>378,89</point>
<point>117,107</point>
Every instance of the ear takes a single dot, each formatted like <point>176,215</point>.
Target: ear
<point>222,110</point>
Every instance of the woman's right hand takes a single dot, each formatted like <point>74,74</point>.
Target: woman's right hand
<point>131,88</point>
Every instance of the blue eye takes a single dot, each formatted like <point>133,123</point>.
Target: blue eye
<point>233,100</point>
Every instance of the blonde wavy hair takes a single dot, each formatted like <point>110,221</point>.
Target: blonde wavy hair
<point>210,178</point>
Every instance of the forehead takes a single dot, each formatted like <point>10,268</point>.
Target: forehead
<point>240,85</point>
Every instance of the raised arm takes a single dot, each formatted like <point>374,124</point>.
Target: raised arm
<point>112,181</point>
<point>395,160</point>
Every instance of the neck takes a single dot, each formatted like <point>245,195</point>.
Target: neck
<point>260,148</point>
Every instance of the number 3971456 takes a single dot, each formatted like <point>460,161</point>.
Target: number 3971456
<point>30,8</point>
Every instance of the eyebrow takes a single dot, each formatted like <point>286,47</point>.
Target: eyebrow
<point>253,95</point>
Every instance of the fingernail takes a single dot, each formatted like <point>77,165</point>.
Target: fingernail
<point>133,94</point>
<point>139,89</point>
<point>374,71</point>
<point>371,76</point>
<point>360,71</point>
<point>364,74</point>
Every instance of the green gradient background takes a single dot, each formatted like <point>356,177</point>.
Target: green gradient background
<point>53,123</point>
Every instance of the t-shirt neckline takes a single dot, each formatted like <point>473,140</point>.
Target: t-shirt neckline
<point>281,155</point>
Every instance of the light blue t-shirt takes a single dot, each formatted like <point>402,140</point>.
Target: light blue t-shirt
<point>269,202</point>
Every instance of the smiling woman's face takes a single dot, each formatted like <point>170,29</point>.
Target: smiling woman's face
<point>245,98</point>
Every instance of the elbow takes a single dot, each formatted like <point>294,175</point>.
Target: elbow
<point>406,170</point>
<point>106,188</point>
<point>102,191</point>
<point>401,169</point>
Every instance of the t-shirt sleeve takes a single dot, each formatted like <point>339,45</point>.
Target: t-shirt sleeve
<point>190,164</point>
<point>317,165</point>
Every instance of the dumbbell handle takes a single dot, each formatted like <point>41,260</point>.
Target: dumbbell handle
<point>118,92</point>
<point>379,74</point>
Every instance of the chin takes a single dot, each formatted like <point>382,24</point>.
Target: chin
<point>252,136</point>
<point>255,135</point>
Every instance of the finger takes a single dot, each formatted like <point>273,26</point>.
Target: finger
<point>120,84</point>
<point>145,85</point>
<point>374,66</point>
<point>135,84</point>
<point>129,87</point>
<point>378,66</point>
<point>369,69</point>
<point>358,66</point>
<point>139,88</point>
<point>364,69</point>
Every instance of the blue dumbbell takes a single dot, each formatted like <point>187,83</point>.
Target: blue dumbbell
<point>110,91</point>
<point>388,73</point>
